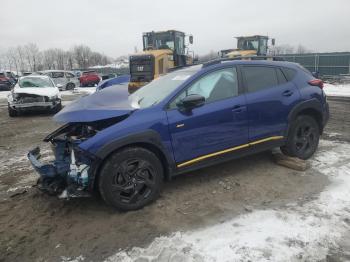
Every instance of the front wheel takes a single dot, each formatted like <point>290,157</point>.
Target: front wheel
<point>57,108</point>
<point>131,178</point>
<point>12,112</point>
<point>303,138</point>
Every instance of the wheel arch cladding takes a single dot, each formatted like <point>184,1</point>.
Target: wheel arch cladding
<point>149,140</point>
<point>311,108</point>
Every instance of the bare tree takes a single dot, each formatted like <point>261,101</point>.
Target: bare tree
<point>12,56</point>
<point>82,55</point>
<point>21,58</point>
<point>282,50</point>
<point>32,56</point>
<point>302,49</point>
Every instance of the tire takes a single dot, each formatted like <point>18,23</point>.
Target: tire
<point>12,112</point>
<point>303,138</point>
<point>57,108</point>
<point>131,178</point>
<point>70,86</point>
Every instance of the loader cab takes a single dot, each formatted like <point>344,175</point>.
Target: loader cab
<point>173,40</point>
<point>162,51</point>
<point>257,43</point>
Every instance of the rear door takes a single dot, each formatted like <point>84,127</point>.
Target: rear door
<point>270,97</point>
<point>219,124</point>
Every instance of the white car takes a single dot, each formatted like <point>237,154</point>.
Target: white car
<point>34,92</point>
<point>66,79</point>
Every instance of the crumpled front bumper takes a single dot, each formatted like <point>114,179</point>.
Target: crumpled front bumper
<point>44,170</point>
<point>61,177</point>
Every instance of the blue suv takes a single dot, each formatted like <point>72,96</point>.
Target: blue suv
<point>124,146</point>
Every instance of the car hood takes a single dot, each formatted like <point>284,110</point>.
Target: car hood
<point>42,91</point>
<point>108,103</point>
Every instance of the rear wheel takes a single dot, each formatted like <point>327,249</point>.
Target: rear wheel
<point>12,112</point>
<point>131,178</point>
<point>303,138</point>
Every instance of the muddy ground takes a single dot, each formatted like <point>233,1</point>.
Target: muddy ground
<point>36,227</point>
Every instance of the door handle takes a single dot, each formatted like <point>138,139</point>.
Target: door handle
<point>238,108</point>
<point>287,93</point>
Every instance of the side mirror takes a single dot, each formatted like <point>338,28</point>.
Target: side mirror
<point>191,101</point>
<point>191,39</point>
<point>59,86</point>
<point>273,41</point>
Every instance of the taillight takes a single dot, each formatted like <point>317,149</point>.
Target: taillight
<point>316,82</point>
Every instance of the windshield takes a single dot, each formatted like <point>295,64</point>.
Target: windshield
<point>161,41</point>
<point>35,82</point>
<point>154,92</point>
<point>249,44</point>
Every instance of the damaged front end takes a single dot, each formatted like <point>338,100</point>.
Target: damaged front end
<point>70,174</point>
<point>25,101</point>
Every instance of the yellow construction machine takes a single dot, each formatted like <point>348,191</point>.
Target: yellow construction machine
<point>161,51</point>
<point>249,46</point>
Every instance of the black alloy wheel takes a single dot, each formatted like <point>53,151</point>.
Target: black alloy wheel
<point>303,138</point>
<point>133,181</point>
<point>131,178</point>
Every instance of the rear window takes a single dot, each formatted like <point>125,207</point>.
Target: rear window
<point>259,77</point>
<point>69,75</point>
<point>2,75</point>
<point>281,78</point>
<point>89,73</point>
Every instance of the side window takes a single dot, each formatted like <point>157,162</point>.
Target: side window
<point>218,85</point>
<point>259,77</point>
<point>289,73</point>
<point>57,74</point>
<point>281,78</point>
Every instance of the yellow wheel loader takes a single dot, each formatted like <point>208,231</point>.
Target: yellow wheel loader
<point>249,46</point>
<point>162,51</point>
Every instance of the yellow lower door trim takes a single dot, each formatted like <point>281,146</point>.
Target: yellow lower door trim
<point>197,159</point>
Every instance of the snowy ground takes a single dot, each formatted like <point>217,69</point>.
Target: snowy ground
<point>297,232</point>
<point>337,90</point>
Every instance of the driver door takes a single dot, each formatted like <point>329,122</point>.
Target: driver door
<point>219,124</point>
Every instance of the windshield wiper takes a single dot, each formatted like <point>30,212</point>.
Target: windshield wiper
<point>140,100</point>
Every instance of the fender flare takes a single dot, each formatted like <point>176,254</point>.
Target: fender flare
<point>313,104</point>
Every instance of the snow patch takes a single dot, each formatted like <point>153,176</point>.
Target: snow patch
<point>337,90</point>
<point>297,232</point>
<point>4,94</point>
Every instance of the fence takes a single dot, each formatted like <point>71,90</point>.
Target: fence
<point>323,63</point>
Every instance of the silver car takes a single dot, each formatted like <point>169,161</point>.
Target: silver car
<point>65,80</point>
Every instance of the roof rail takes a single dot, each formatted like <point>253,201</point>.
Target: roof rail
<point>262,57</point>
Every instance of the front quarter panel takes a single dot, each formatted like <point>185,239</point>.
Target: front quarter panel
<point>143,126</point>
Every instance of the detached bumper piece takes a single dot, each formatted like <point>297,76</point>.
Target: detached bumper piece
<point>64,177</point>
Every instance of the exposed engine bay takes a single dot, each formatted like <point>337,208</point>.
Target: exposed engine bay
<point>69,174</point>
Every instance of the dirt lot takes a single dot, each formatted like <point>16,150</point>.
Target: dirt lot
<point>36,227</point>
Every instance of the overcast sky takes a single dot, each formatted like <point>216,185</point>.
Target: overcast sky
<point>114,27</point>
